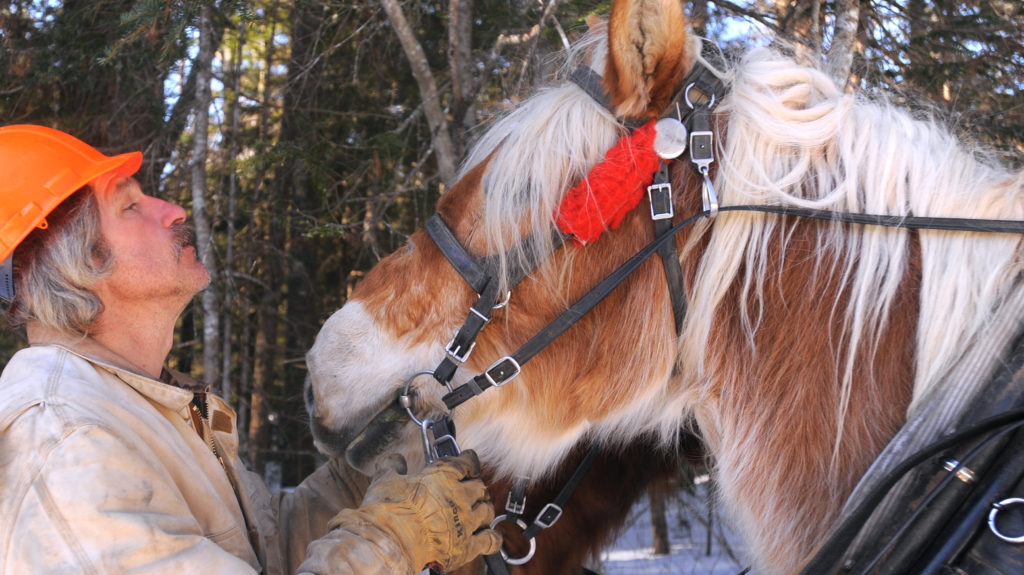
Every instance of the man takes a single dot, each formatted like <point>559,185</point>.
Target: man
<point>111,463</point>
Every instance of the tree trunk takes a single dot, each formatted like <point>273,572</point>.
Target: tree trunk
<point>200,215</point>
<point>229,248</point>
<point>460,62</point>
<point>844,41</point>
<point>444,150</point>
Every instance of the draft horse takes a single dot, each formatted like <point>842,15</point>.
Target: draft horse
<point>804,345</point>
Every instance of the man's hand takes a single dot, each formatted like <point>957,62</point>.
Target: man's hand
<point>439,515</point>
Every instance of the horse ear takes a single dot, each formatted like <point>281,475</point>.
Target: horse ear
<point>647,53</point>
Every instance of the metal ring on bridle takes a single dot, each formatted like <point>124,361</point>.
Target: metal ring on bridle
<point>405,400</point>
<point>686,96</point>
<point>503,302</point>
<point>533,542</point>
<point>996,508</point>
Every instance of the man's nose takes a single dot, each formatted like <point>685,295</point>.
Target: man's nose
<point>173,214</point>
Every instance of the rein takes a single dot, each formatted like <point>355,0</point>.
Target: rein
<point>480,273</point>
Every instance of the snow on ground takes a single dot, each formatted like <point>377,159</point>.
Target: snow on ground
<point>689,532</point>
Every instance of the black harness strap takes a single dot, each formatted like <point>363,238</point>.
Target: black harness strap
<point>476,275</point>
<point>548,515</point>
<point>553,511</point>
<point>496,564</point>
<point>696,117</point>
<point>907,222</point>
<point>660,197</point>
<point>590,81</point>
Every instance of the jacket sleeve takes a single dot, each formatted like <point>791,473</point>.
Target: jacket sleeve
<point>356,547</point>
<point>96,504</point>
<point>303,513</point>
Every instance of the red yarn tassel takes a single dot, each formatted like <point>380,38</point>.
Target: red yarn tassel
<point>612,189</point>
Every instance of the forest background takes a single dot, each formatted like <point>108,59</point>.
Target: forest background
<point>307,139</point>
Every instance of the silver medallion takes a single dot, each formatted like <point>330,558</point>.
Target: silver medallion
<point>670,139</point>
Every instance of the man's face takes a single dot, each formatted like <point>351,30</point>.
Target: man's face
<point>151,245</point>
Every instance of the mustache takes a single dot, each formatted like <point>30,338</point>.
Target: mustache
<point>184,236</point>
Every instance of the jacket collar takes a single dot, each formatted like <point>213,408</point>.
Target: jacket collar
<point>175,392</point>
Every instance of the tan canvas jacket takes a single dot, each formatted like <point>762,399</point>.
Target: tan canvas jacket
<point>102,471</point>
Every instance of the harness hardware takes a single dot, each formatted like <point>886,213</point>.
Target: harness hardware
<point>515,505</point>
<point>503,371</point>
<point>660,197</point>
<point>453,350</point>
<point>962,473</point>
<point>504,554</point>
<point>996,508</point>
<point>548,516</point>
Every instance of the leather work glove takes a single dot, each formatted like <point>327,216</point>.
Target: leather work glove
<point>440,515</point>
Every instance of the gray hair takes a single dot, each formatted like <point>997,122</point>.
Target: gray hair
<point>56,267</point>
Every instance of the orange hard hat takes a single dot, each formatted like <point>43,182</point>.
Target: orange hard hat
<point>39,168</point>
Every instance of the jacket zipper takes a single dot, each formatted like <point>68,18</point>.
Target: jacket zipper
<point>201,408</point>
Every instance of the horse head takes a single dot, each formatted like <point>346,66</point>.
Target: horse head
<point>402,314</point>
<point>804,345</point>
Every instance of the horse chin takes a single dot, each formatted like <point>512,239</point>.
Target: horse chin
<point>384,433</point>
<point>327,442</point>
<point>388,431</point>
<point>334,441</point>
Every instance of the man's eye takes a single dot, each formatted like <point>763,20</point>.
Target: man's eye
<point>130,206</point>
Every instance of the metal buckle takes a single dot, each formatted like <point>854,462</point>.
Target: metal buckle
<point>702,150</point>
<point>499,379</point>
<point>548,516</point>
<point>446,446</point>
<point>661,206</point>
<point>429,455</point>
<point>454,353</point>
<point>516,502</point>
<point>515,507</point>
<point>435,447</point>
<point>708,196</point>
